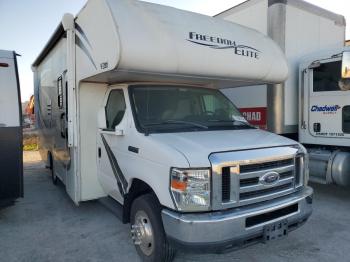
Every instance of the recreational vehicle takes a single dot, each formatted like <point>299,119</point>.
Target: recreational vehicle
<point>312,105</point>
<point>11,166</point>
<point>129,108</point>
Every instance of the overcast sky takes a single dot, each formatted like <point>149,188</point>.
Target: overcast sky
<point>26,25</point>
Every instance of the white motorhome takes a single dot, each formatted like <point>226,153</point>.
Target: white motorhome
<point>11,163</point>
<point>312,105</point>
<point>130,112</point>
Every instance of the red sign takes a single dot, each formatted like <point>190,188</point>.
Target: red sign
<point>255,115</point>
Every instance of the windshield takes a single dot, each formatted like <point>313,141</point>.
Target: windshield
<point>181,108</point>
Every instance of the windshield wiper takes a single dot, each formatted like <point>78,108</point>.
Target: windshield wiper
<point>187,123</point>
<point>167,122</point>
<point>230,121</point>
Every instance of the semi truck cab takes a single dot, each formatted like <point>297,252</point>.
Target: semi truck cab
<point>324,95</point>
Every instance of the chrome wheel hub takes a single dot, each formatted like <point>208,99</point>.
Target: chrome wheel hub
<point>142,233</point>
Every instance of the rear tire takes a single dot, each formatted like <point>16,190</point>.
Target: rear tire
<point>147,230</point>
<point>54,178</point>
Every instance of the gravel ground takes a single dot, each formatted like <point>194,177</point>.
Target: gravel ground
<point>47,226</point>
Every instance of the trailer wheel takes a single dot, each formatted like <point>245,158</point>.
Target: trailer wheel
<point>52,168</point>
<point>48,162</point>
<point>147,230</point>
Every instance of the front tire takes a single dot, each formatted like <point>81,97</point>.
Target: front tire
<point>147,230</point>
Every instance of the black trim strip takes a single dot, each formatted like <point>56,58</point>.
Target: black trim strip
<point>21,190</point>
<point>11,174</point>
<point>84,49</point>
<point>81,31</point>
<point>122,183</point>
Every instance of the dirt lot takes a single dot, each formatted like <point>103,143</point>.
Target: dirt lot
<point>46,226</point>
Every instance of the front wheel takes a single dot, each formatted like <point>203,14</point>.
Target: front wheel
<point>147,230</point>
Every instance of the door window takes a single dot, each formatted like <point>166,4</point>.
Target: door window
<point>60,92</point>
<point>346,119</point>
<point>115,108</point>
<point>327,76</point>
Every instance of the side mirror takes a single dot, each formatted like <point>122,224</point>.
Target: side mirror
<point>119,131</point>
<point>345,71</point>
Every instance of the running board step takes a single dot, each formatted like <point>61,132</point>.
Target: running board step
<point>113,206</point>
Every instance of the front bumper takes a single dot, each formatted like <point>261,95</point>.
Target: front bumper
<point>222,230</point>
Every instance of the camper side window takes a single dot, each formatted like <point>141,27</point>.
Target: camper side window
<point>115,108</point>
<point>60,92</point>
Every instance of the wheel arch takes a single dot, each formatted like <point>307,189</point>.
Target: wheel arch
<point>138,188</point>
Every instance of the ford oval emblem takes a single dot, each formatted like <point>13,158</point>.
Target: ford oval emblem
<point>270,178</point>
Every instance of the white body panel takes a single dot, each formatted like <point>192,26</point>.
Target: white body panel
<point>318,33</point>
<point>300,29</point>
<point>50,119</point>
<point>253,14</point>
<point>90,100</point>
<point>9,110</point>
<point>184,52</point>
<point>197,146</point>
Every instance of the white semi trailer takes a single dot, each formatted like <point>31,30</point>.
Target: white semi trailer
<point>11,158</point>
<point>312,105</point>
<point>130,112</point>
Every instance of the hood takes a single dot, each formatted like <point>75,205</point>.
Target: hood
<point>197,146</point>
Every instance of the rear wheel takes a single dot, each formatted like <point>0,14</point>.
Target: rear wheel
<point>52,169</point>
<point>147,230</point>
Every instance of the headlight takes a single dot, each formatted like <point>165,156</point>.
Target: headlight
<point>190,189</point>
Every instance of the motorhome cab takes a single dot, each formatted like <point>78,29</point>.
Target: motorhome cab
<point>130,109</point>
<point>11,174</point>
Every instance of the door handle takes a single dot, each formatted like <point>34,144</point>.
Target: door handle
<point>99,152</point>
<point>317,127</point>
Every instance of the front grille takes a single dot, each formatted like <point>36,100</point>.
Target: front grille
<point>249,181</point>
<point>252,188</point>
<point>262,192</point>
<point>266,165</point>
<point>226,184</point>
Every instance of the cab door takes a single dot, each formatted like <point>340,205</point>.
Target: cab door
<point>61,152</point>
<point>112,144</point>
<point>328,104</point>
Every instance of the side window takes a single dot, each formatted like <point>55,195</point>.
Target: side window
<point>327,76</point>
<point>346,119</point>
<point>60,92</point>
<point>209,103</point>
<point>115,108</point>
